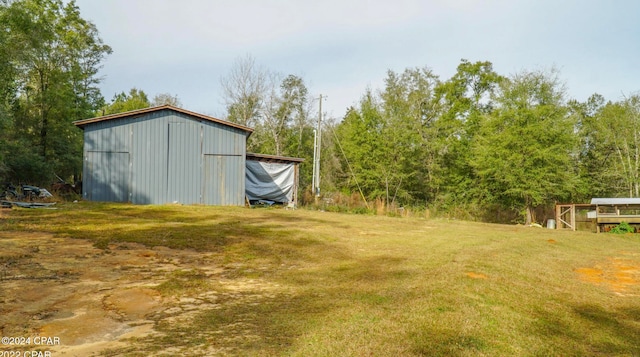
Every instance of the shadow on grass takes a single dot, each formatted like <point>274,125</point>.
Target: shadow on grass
<point>264,327</point>
<point>256,324</point>
<point>195,227</point>
<point>589,329</point>
<point>268,240</point>
<point>621,324</point>
<point>436,341</point>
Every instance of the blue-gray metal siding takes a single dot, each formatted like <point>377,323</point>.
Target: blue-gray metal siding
<point>220,171</point>
<point>184,163</point>
<point>108,176</point>
<point>167,153</point>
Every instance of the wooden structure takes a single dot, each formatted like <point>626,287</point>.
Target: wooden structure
<point>613,211</point>
<point>603,213</point>
<point>566,215</point>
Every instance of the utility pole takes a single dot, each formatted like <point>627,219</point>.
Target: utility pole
<point>315,152</point>
<point>316,155</point>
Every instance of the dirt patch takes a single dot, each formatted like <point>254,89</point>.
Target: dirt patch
<point>619,274</point>
<point>94,299</point>
<point>476,275</point>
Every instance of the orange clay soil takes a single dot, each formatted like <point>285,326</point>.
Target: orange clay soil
<point>92,299</point>
<point>619,274</point>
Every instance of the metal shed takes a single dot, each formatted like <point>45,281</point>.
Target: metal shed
<point>163,155</point>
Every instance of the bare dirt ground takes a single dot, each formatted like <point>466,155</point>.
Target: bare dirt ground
<point>619,274</point>
<point>94,299</point>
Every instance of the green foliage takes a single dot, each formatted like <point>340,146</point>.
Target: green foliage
<point>123,102</point>
<point>622,228</point>
<point>23,164</point>
<point>48,78</point>
<point>346,209</point>
<point>522,155</point>
<point>611,145</point>
<point>467,97</point>
<point>411,144</point>
<point>360,134</point>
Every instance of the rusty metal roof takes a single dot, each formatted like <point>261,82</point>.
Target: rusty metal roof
<point>615,201</point>
<point>82,123</point>
<point>272,158</point>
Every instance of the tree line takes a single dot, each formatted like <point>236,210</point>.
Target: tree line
<point>479,145</point>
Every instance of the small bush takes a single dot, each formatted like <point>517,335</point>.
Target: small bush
<point>623,228</point>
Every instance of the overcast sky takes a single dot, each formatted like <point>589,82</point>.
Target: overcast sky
<point>341,47</point>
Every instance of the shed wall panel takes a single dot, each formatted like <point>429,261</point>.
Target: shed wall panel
<point>220,183</point>
<point>108,176</point>
<point>220,140</point>
<point>149,156</point>
<point>107,138</point>
<point>184,166</point>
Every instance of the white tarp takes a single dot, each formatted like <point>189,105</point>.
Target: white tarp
<point>269,181</point>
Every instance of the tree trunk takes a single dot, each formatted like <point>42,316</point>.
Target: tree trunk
<point>530,215</point>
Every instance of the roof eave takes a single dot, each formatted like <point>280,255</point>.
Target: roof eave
<point>84,122</point>
<point>274,157</point>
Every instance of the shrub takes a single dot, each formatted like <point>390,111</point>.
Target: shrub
<point>622,228</point>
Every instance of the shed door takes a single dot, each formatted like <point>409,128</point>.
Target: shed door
<point>184,164</point>
<point>109,176</point>
<point>223,180</point>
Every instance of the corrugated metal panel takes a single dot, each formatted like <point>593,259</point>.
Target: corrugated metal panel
<point>220,184</point>
<point>184,166</point>
<point>108,176</point>
<point>615,201</point>
<point>221,140</point>
<point>105,137</point>
<point>149,156</point>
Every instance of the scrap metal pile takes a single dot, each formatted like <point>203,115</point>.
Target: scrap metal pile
<point>25,196</point>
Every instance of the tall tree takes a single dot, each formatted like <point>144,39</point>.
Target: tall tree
<point>244,91</point>
<point>613,143</point>
<point>276,107</point>
<point>412,135</point>
<point>296,106</point>
<point>592,152</point>
<point>523,153</point>
<point>361,138</point>
<point>284,113</point>
<point>466,98</point>
<point>51,56</point>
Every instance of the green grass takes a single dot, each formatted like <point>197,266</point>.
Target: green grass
<point>360,285</point>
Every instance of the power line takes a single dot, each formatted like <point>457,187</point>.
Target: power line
<point>349,166</point>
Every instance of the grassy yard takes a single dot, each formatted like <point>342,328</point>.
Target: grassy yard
<point>354,285</point>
